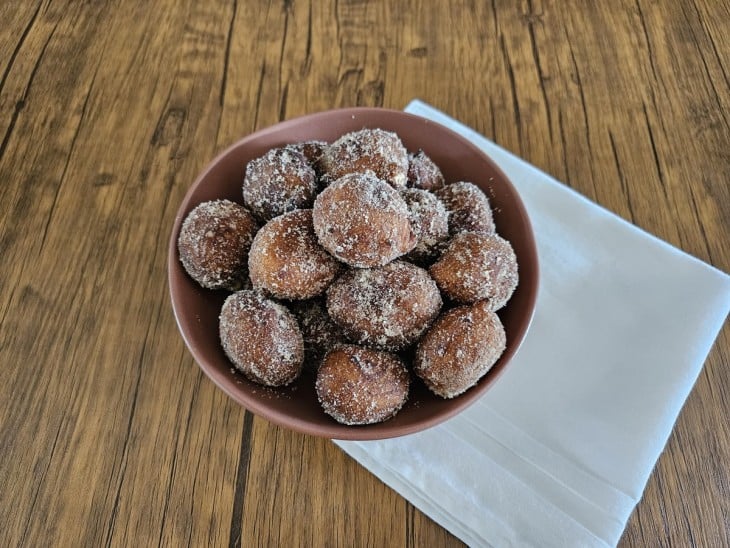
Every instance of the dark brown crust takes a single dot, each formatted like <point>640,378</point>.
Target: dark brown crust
<point>261,338</point>
<point>477,267</point>
<point>286,260</point>
<point>459,349</point>
<point>214,242</point>
<point>387,307</point>
<point>468,207</point>
<point>357,385</point>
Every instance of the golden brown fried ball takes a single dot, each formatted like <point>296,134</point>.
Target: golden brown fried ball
<point>423,173</point>
<point>286,260</point>
<point>468,207</point>
<point>430,222</point>
<point>313,152</point>
<point>459,349</point>
<point>369,150</point>
<point>321,334</point>
<point>386,307</point>
<point>279,181</point>
<point>261,338</point>
<point>357,385</point>
<point>214,242</point>
<point>363,221</point>
<point>477,267</point>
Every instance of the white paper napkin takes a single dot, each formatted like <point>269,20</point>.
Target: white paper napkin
<point>559,451</point>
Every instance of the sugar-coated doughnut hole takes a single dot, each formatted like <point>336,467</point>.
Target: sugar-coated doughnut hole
<point>286,260</point>
<point>313,151</point>
<point>261,338</point>
<point>468,207</point>
<point>357,385</point>
<point>386,307</point>
<point>477,267</point>
<point>214,242</point>
<point>430,222</point>
<point>363,221</point>
<point>279,181</point>
<point>423,173</point>
<point>369,150</point>
<point>459,348</point>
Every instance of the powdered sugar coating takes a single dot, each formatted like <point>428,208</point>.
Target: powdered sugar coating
<point>373,151</point>
<point>214,242</point>
<point>261,338</point>
<point>320,333</point>
<point>363,221</point>
<point>459,349</point>
<point>286,260</point>
<point>279,181</point>
<point>423,172</point>
<point>468,207</point>
<point>386,307</point>
<point>476,267</point>
<point>357,385</point>
<point>430,222</point>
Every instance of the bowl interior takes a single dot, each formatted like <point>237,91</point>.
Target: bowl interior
<point>296,407</point>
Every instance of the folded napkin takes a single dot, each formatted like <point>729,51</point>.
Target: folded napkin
<point>559,451</point>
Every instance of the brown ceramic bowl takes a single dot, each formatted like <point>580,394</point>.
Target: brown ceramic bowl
<point>295,406</point>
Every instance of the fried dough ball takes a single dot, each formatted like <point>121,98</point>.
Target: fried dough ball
<point>261,338</point>
<point>279,181</point>
<point>320,333</point>
<point>386,307</point>
<point>313,152</point>
<point>286,260</point>
<point>368,150</point>
<point>423,173</point>
<point>476,267</point>
<point>363,221</point>
<point>459,349</point>
<point>214,242</point>
<point>430,222</point>
<point>357,385</point>
<point>468,207</point>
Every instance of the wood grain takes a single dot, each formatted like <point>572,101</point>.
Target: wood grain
<point>109,434</point>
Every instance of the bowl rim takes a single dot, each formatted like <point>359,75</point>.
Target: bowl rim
<point>339,431</point>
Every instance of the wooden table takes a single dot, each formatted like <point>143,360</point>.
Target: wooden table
<point>109,433</point>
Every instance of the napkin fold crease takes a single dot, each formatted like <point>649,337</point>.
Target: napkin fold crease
<point>559,451</point>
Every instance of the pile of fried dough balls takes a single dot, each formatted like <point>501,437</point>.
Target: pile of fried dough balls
<point>356,261</point>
